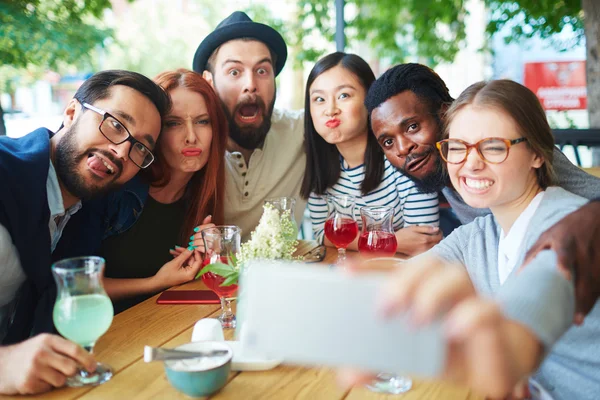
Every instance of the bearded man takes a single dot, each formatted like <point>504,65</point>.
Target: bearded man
<point>108,133</point>
<point>265,156</point>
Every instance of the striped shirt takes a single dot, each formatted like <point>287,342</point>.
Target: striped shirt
<point>411,207</point>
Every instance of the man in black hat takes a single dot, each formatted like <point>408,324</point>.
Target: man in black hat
<point>265,156</point>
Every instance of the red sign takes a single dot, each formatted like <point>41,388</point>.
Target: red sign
<point>559,85</point>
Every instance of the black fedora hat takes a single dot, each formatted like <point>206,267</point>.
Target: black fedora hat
<point>239,25</point>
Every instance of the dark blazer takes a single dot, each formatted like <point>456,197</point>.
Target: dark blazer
<point>24,212</point>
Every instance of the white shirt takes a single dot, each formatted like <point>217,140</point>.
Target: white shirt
<point>58,216</point>
<point>276,170</point>
<point>509,246</point>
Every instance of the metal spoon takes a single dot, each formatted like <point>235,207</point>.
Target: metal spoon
<point>161,354</point>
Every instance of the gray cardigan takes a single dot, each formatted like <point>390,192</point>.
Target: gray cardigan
<point>538,297</point>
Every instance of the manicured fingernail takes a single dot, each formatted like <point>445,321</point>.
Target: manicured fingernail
<point>197,229</point>
<point>191,248</point>
<point>172,249</point>
<point>192,237</point>
<point>191,243</point>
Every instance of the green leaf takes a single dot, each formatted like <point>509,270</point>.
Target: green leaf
<point>233,260</point>
<point>48,33</point>
<point>220,269</point>
<point>231,279</point>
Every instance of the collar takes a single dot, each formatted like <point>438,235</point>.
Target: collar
<point>55,199</point>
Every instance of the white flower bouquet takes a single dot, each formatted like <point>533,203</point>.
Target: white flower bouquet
<point>274,237</point>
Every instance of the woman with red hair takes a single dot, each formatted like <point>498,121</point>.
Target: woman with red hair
<point>180,194</point>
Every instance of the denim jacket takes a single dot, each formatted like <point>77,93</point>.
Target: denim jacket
<point>100,218</point>
<point>123,207</point>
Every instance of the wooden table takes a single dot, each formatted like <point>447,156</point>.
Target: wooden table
<point>171,325</point>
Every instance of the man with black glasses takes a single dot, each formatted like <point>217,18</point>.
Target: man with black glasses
<point>109,130</point>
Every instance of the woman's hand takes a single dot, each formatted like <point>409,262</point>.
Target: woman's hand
<point>181,269</point>
<point>484,350</point>
<point>196,238</point>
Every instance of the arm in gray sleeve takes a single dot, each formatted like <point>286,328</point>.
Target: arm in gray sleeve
<point>450,249</point>
<point>572,178</point>
<point>540,298</point>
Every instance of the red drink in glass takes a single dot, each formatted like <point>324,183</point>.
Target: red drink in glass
<point>341,231</point>
<point>214,281</point>
<point>378,243</point>
<point>220,242</point>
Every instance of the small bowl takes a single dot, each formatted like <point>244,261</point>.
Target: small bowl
<point>200,377</point>
<point>382,263</point>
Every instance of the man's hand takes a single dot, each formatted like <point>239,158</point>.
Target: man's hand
<point>576,241</point>
<point>40,363</point>
<point>417,239</point>
<point>181,269</point>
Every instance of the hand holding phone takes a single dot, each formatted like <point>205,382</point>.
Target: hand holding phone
<point>188,297</point>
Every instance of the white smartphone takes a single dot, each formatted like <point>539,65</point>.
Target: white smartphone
<point>313,315</point>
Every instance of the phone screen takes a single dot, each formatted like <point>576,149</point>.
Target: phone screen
<point>188,297</point>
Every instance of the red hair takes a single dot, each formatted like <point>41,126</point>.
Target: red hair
<point>204,192</point>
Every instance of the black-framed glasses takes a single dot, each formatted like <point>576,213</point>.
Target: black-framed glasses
<point>492,150</point>
<point>116,132</point>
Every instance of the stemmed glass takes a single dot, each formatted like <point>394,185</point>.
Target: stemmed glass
<point>390,384</point>
<point>340,227</point>
<point>83,311</point>
<point>377,236</point>
<point>220,244</point>
<point>283,204</point>
<point>386,382</point>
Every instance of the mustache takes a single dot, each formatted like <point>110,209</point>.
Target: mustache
<point>411,157</point>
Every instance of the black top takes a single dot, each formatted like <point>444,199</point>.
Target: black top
<point>143,249</point>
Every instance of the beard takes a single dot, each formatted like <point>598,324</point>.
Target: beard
<point>432,182</point>
<point>249,137</point>
<point>66,161</point>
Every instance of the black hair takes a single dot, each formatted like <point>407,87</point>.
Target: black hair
<point>322,158</point>
<point>97,87</point>
<point>418,78</point>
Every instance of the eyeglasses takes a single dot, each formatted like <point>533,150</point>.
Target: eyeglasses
<point>116,133</point>
<point>491,150</point>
